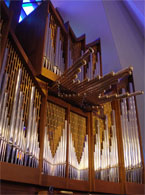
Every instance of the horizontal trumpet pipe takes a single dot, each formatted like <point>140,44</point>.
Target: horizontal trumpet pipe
<point>98,90</point>
<point>68,76</point>
<point>108,97</point>
<point>127,95</point>
<point>107,78</point>
<point>69,95</point>
<point>115,96</point>
<point>69,80</point>
<point>64,79</point>
<point>86,85</point>
<point>79,85</point>
<point>76,65</point>
<point>99,79</point>
<point>79,61</point>
<point>96,85</point>
<point>92,95</point>
<point>73,84</point>
<point>125,70</point>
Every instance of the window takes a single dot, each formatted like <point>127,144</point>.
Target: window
<point>27,7</point>
<point>7,2</point>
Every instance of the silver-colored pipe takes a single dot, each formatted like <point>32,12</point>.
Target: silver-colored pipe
<point>91,66</point>
<point>3,137</point>
<point>18,117</point>
<point>30,119</point>
<point>3,67</point>
<point>49,47</point>
<point>32,130</point>
<point>2,92</point>
<point>2,112</point>
<point>57,45</point>
<point>3,152</point>
<point>13,115</point>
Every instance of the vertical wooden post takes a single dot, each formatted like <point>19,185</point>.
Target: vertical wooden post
<point>67,148</point>
<point>66,52</point>
<point>91,154</point>
<point>15,7</point>
<point>42,132</point>
<point>140,138</point>
<point>101,74</point>
<point>122,177</point>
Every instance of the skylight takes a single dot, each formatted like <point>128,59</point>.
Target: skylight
<point>27,7</point>
<point>7,2</point>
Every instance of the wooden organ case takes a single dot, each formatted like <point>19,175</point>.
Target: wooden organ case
<point>64,126</point>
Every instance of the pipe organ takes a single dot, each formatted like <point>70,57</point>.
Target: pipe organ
<point>53,47</point>
<point>78,148</point>
<point>55,140</point>
<point>131,146</point>
<point>93,67</point>
<point>71,60</point>
<point>50,48</point>
<point>63,124</point>
<point>20,104</point>
<point>105,145</point>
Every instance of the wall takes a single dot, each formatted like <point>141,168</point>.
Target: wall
<point>130,48</point>
<point>140,4</point>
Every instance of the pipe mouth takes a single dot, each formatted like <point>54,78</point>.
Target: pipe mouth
<point>112,73</point>
<point>79,70</point>
<point>98,77</point>
<point>76,76</point>
<point>130,72</point>
<point>84,62</point>
<point>131,68</point>
<point>91,49</point>
<point>87,79</point>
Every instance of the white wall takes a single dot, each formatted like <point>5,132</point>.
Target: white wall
<point>140,4</point>
<point>130,48</point>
